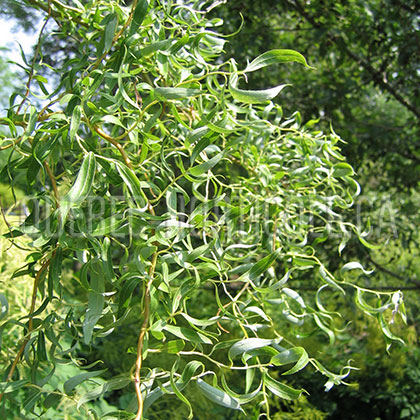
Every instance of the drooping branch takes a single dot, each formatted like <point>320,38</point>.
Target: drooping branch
<point>55,14</point>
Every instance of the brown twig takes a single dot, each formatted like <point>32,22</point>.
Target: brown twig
<point>128,21</point>
<point>12,144</point>
<point>116,37</point>
<point>53,183</point>
<point>114,143</point>
<point>30,323</point>
<point>143,330</point>
<point>140,343</point>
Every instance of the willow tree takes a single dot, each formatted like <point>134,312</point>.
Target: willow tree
<point>160,188</point>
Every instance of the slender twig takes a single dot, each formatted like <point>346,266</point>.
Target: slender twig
<point>43,7</point>
<point>65,6</point>
<point>4,121</point>
<point>114,143</point>
<point>23,124</point>
<point>116,37</point>
<point>30,323</point>
<point>53,183</point>
<point>143,330</point>
<point>127,22</point>
<point>32,70</point>
<point>140,343</point>
<point>56,16</point>
<point>12,144</point>
<point>244,288</point>
<point>9,226</point>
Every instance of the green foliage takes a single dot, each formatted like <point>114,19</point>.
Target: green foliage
<point>366,84</point>
<point>366,80</point>
<point>385,387</point>
<point>161,181</point>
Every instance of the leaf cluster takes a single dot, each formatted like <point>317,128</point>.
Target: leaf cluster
<point>157,178</point>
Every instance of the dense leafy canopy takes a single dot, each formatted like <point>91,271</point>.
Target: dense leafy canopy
<point>365,84</point>
<point>168,196</point>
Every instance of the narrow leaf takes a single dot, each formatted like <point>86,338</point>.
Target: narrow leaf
<point>187,334</point>
<point>281,390</point>
<point>261,266</point>
<point>176,93</point>
<point>95,302</point>
<point>75,121</point>
<point>4,306</point>
<point>33,116</point>
<point>54,273</point>
<point>330,280</point>
<point>178,393</point>
<point>276,57</point>
<point>181,383</point>
<point>295,354</point>
<point>82,186</point>
<point>6,387</point>
<point>110,28</point>
<point>353,266</point>
<point>255,96</point>
<point>133,184</point>
<point>138,16</point>
<point>199,147</point>
<point>217,395</point>
<point>106,226</point>
<point>206,166</point>
<point>342,170</point>
<point>71,383</point>
<point>387,332</point>
<point>249,344</point>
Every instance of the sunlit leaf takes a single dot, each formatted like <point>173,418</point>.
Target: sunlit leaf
<point>275,57</point>
<point>75,121</point>
<point>296,355</point>
<point>255,96</point>
<point>172,93</point>
<point>249,344</point>
<point>281,390</point>
<point>187,334</point>
<point>81,187</point>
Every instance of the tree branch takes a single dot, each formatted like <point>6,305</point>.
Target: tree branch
<point>380,79</point>
<point>395,275</point>
<point>376,76</point>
